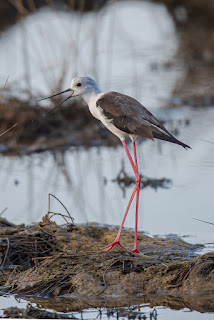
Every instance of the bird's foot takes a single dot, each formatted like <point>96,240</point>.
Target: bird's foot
<point>135,250</point>
<point>111,245</point>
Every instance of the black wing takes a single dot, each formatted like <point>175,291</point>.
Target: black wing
<point>130,116</point>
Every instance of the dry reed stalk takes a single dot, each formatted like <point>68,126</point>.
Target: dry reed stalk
<point>14,125</point>
<point>3,88</point>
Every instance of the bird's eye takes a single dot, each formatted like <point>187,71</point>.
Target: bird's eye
<point>78,84</point>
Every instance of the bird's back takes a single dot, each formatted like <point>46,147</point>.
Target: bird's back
<point>130,116</point>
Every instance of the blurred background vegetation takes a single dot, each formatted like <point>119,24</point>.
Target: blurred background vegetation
<point>159,51</point>
<point>193,21</point>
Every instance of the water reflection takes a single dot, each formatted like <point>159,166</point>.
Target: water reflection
<point>124,180</point>
<point>137,308</point>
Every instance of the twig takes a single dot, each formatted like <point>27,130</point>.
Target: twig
<point>60,214</point>
<point>0,101</point>
<point>50,194</point>
<point>203,221</point>
<point>3,211</point>
<point>104,276</point>
<point>5,257</point>
<point>3,88</point>
<point>13,126</point>
<point>208,141</point>
<point>42,258</point>
<point>58,282</point>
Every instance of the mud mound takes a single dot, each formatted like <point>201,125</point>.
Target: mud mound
<point>50,260</point>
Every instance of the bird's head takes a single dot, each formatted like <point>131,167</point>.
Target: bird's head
<point>82,85</point>
<point>79,87</point>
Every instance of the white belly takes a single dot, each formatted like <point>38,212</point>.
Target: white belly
<point>110,126</point>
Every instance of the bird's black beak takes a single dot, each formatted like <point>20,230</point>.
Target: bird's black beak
<point>57,94</point>
<point>68,90</point>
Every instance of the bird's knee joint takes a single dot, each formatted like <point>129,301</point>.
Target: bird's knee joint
<point>138,179</point>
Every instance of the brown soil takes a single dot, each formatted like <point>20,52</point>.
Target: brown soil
<point>47,260</point>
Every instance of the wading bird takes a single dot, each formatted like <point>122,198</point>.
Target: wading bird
<point>125,117</point>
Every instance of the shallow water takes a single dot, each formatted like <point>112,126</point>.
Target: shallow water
<point>130,58</point>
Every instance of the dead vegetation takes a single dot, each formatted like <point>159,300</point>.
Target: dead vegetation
<point>32,132</point>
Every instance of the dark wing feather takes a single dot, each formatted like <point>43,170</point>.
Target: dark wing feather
<point>130,116</point>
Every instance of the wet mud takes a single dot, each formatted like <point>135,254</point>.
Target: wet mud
<point>46,261</point>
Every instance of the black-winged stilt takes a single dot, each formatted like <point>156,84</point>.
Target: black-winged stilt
<point>125,117</point>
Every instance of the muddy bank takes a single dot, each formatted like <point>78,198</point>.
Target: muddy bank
<point>70,125</point>
<point>47,260</point>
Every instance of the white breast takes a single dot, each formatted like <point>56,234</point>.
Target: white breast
<point>97,113</point>
<point>92,104</point>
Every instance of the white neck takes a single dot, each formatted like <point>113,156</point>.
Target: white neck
<point>90,96</point>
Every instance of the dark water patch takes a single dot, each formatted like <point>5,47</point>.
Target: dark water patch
<point>124,180</point>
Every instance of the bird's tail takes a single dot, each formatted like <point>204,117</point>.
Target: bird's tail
<point>170,138</point>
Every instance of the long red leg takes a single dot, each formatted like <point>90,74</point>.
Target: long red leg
<point>135,154</point>
<point>116,241</point>
<point>137,201</point>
